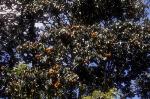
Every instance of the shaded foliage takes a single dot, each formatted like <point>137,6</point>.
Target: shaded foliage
<point>91,11</point>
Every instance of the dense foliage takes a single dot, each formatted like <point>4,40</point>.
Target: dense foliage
<point>90,48</point>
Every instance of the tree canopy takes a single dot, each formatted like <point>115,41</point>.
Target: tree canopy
<point>74,49</point>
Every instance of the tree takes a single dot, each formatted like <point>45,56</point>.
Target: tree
<point>84,46</point>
